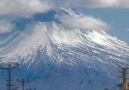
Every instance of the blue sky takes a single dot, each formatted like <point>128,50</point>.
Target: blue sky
<point>113,12</point>
<point>117,18</point>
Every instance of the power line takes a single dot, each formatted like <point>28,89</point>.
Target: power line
<point>9,69</point>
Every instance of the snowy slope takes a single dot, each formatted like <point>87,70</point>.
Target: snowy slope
<point>56,56</point>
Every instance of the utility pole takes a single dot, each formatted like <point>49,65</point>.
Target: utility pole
<point>125,78</point>
<point>124,85</point>
<point>23,81</point>
<point>9,69</point>
<point>16,88</point>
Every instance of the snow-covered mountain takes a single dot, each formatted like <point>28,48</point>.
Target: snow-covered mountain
<point>59,55</point>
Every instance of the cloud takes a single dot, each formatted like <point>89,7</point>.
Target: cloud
<point>127,30</point>
<point>6,27</point>
<point>83,22</point>
<point>25,8</point>
<point>98,3</point>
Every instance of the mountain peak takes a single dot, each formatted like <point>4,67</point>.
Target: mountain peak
<point>70,49</point>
